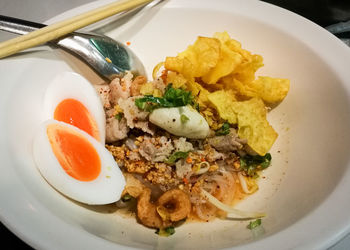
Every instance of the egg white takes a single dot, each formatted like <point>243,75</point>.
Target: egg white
<point>72,85</point>
<point>106,188</point>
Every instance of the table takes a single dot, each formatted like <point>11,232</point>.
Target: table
<point>41,10</point>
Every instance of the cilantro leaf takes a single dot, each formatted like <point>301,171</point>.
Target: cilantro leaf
<point>254,224</point>
<point>126,198</point>
<point>166,231</point>
<point>149,103</point>
<point>172,98</point>
<point>224,130</point>
<point>253,163</point>
<point>175,156</point>
<point>118,116</point>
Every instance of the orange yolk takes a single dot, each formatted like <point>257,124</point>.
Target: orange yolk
<point>74,152</point>
<point>75,113</point>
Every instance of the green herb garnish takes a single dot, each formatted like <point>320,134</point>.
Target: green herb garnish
<point>254,224</point>
<point>175,156</point>
<point>196,106</point>
<point>166,231</point>
<point>171,98</point>
<point>149,103</point>
<point>224,130</point>
<point>253,163</point>
<point>126,198</point>
<point>178,97</point>
<point>118,116</point>
<point>184,118</point>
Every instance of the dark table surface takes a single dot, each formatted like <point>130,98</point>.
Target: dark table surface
<point>322,12</point>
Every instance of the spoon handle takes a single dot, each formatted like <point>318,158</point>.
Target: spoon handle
<point>18,26</point>
<point>84,46</point>
<point>95,50</point>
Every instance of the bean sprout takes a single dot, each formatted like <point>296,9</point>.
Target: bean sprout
<point>203,167</point>
<point>232,212</point>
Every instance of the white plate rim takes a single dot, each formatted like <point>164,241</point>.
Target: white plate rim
<point>310,32</point>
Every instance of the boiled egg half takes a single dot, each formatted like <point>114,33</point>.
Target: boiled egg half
<point>76,164</point>
<point>72,99</point>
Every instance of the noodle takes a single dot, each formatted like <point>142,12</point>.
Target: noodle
<point>243,183</point>
<point>206,211</point>
<point>210,171</point>
<point>202,169</point>
<point>232,212</point>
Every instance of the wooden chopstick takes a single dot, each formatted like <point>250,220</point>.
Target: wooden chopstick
<point>64,27</point>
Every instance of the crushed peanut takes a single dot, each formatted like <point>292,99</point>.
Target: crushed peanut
<point>237,165</point>
<point>213,168</point>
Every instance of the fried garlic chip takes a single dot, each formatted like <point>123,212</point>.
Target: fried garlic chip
<point>178,80</point>
<point>200,93</point>
<point>253,126</point>
<point>197,59</point>
<point>225,38</point>
<point>222,101</point>
<point>250,63</point>
<point>221,76</point>
<point>221,62</point>
<point>249,115</point>
<point>179,65</point>
<point>271,90</point>
<point>245,72</point>
<point>211,117</point>
<point>147,89</point>
<point>241,89</point>
<point>228,61</point>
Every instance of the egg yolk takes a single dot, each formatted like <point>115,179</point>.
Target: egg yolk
<point>75,113</point>
<point>74,152</point>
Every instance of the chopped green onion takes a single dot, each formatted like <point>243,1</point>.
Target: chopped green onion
<point>253,163</point>
<point>178,97</point>
<point>254,224</point>
<point>149,103</point>
<point>166,231</point>
<point>127,197</point>
<point>118,116</point>
<point>224,130</point>
<point>184,118</point>
<point>175,156</point>
<point>170,230</point>
<point>172,98</point>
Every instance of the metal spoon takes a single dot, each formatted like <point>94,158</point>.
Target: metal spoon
<point>109,58</point>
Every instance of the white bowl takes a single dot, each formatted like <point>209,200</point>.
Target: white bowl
<point>304,192</point>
